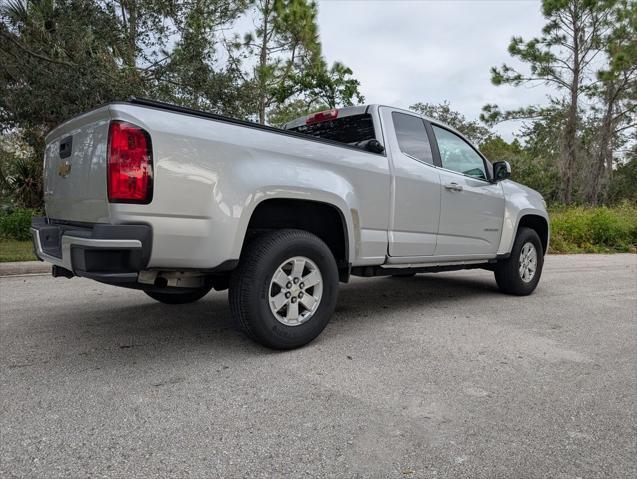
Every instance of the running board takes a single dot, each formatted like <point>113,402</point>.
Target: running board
<point>433,264</point>
<point>389,269</point>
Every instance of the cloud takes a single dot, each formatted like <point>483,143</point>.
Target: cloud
<point>408,51</point>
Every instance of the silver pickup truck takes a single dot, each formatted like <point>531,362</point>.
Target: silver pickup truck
<point>175,202</point>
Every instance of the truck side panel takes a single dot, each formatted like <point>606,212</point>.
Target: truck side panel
<point>211,175</point>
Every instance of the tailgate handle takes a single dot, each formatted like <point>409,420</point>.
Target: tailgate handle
<point>66,145</point>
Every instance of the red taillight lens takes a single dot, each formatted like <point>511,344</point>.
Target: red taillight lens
<point>322,116</point>
<point>130,164</point>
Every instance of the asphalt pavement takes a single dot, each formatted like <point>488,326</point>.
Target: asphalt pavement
<point>436,376</point>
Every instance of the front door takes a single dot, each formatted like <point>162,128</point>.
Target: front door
<point>471,207</point>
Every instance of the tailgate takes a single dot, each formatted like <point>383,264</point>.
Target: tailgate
<point>75,169</point>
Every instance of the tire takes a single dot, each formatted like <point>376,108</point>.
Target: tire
<point>508,273</point>
<point>253,287</point>
<point>179,297</point>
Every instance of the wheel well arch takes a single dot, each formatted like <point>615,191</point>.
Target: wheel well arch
<point>319,218</point>
<point>539,224</point>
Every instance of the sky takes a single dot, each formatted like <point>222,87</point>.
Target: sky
<point>403,52</point>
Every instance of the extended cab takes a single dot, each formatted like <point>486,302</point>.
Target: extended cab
<point>175,202</point>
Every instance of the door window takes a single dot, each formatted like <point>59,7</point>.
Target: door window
<point>412,137</point>
<point>457,155</point>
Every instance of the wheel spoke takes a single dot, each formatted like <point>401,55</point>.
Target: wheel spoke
<point>308,301</point>
<point>312,279</point>
<point>278,301</point>
<point>280,278</point>
<point>293,311</point>
<point>297,268</point>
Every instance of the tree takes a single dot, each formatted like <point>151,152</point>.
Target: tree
<point>624,185</point>
<point>473,130</point>
<point>290,68</point>
<point>191,73</point>
<point>333,87</point>
<point>561,57</point>
<point>616,90</point>
<point>285,112</point>
<point>286,39</point>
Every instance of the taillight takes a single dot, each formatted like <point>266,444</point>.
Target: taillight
<point>322,116</point>
<point>130,164</point>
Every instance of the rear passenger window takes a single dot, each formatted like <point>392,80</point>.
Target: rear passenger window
<point>412,136</point>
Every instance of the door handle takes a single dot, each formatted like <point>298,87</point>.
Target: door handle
<point>453,187</point>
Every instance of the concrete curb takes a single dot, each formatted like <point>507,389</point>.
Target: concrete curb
<point>24,267</point>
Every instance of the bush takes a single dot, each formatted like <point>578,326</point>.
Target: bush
<point>15,224</point>
<point>594,230</point>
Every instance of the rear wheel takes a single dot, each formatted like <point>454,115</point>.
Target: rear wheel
<point>179,297</point>
<point>284,290</point>
<point>520,273</point>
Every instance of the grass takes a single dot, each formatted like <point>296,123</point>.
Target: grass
<point>582,229</point>
<point>13,250</point>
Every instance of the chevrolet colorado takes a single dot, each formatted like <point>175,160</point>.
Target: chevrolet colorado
<point>175,202</point>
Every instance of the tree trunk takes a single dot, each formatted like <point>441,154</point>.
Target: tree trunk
<point>603,154</point>
<point>263,62</point>
<point>569,151</point>
<point>130,25</point>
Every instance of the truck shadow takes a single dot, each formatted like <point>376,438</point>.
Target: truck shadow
<point>124,328</point>
<point>140,323</point>
<point>368,295</point>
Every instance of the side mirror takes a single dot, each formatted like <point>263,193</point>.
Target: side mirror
<point>374,146</point>
<point>501,170</point>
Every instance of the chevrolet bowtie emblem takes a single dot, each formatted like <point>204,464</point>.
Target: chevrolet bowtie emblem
<point>64,169</point>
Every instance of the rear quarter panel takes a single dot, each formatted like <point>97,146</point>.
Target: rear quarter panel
<point>211,175</point>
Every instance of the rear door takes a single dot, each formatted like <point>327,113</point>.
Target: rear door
<point>471,207</point>
<point>75,169</point>
<point>415,202</point>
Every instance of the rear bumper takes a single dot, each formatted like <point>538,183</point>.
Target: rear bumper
<point>104,252</point>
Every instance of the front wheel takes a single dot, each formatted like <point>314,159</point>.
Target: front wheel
<point>284,290</point>
<point>520,273</point>
<point>179,297</point>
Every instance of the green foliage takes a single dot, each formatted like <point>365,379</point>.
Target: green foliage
<point>332,87</point>
<point>623,187</point>
<point>15,224</point>
<point>20,175</point>
<point>578,34</point>
<point>473,130</point>
<point>289,65</point>
<point>281,114</point>
<point>594,230</point>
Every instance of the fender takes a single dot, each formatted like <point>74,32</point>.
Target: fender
<point>520,201</point>
<point>318,196</point>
